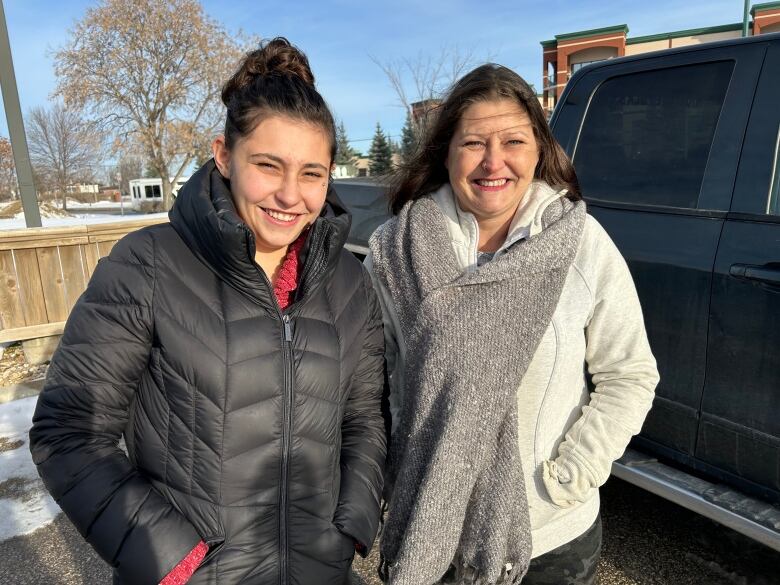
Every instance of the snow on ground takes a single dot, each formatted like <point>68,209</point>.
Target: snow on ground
<point>17,222</point>
<point>25,505</point>
<point>73,204</point>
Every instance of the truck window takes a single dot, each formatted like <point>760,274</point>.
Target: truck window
<point>773,208</point>
<point>646,136</point>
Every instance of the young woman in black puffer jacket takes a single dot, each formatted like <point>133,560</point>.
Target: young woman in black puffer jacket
<point>239,351</point>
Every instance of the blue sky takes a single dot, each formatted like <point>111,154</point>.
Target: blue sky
<point>340,37</point>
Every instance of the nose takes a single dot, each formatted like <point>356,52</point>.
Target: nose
<point>493,160</point>
<point>288,193</point>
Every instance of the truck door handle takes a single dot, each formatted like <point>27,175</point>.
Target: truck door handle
<point>763,274</point>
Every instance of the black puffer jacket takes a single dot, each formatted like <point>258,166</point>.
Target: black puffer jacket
<point>256,430</point>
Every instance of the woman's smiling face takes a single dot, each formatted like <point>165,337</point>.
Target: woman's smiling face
<point>492,158</point>
<point>278,177</point>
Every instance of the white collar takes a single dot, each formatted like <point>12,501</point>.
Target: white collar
<point>464,230</point>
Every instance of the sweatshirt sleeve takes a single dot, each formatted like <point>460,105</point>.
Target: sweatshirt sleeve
<point>83,410</point>
<point>624,376</point>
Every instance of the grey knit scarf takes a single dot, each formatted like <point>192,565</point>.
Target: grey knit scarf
<point>458,502</point>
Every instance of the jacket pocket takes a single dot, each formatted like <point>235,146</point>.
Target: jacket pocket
<point>215,544</point>
<point>346,549</point>
<point>567,484</point>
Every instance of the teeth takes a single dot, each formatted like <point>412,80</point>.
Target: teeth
<point>496,183</point>
<point>280,216</point>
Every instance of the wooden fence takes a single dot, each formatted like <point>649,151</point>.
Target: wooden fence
<point>44,270</point>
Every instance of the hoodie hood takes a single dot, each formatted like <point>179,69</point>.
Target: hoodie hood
<point>463,227</point>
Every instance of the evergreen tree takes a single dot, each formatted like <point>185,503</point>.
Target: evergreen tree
<point>344,152</point>
<point>380,155</point>
<point>408,139</point>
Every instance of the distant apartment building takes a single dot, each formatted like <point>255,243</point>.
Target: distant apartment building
<point>421,109</point>
<point>345,170</point>
<point>566,53</point>
<point>82,189</point>
<point>362,165</point>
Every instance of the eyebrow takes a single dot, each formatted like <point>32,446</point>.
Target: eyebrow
<point>279,160</point>
<point>517,128</point>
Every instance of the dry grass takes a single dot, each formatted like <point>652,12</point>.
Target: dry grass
<point>14,368</point>
<point>10,210</point>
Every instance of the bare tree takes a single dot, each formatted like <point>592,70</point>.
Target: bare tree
<point>425,77</point>
<point>130,167</point>
<point>8,185</point>
<point>151,71</point>
<point>63,147</point>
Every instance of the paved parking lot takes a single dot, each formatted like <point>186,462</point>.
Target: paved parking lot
<point>647,540</point>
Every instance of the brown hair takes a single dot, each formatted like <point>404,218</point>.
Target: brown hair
<point>274,79</point>
<point>426,170</point>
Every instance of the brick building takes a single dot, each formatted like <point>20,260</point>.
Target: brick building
<point>563,55</point>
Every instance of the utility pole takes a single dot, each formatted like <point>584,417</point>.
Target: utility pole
<point>13,115</point>
<point>745,18</point>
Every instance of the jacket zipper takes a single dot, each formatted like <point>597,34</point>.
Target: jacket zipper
<point>313,261</point>
<point>286,422</point>
<point>286,432</point>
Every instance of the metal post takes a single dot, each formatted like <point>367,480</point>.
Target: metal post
<point>121,197</point>
<point>13,115</point>
<point>745,18</point>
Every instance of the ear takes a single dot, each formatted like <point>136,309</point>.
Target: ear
<point>221,155</point>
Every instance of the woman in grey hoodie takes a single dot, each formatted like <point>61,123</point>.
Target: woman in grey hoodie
<point>501,300</point>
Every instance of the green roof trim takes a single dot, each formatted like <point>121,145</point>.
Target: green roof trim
<point>764,6</point>
<point>593,32</point>
<point>686,33</point>
<point>549,43</point>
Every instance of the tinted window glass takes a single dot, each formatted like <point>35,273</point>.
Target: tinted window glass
<point>774,191</point>
<point>368,205</point>
<point>647,136</point>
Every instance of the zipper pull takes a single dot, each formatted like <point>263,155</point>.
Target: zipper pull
<point>287,328</point>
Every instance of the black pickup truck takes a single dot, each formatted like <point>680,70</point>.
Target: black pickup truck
<point>677,155</point>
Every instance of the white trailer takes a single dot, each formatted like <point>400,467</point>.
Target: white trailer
<point>146,192</point>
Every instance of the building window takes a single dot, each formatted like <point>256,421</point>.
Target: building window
<point>551,77</point>
<point>647,136</point>
<point>577,66</point>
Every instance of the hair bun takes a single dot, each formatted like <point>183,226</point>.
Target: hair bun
<point>275,57</point>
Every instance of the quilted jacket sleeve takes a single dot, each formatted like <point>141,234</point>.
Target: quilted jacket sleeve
<point>395,349</point>
<point>364,434</point>
<point>83,411</point>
